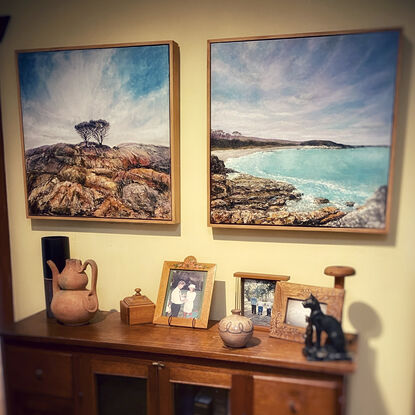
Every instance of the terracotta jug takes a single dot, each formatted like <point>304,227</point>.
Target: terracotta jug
<point>74,306</point>
<point>73,276</point>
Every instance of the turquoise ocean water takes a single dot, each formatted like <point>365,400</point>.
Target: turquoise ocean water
<point>340,175</point>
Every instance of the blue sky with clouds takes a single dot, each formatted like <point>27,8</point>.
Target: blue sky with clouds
<point>337,87</point>
<point>127,86</point>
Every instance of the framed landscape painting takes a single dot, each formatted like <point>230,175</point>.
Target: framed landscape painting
<point>100,132</point>
<point>301,131</point>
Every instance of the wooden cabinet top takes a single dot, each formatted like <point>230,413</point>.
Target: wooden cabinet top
<point>108,332</point>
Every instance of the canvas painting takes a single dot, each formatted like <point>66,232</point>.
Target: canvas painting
<point>302,131</point>
<point>99,127</point>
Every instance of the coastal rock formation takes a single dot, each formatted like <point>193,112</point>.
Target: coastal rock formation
<point>217,166</point>
<point>370,215</point>
<point>321,200</point>
<point>244,199</point>
<point>127,181</point>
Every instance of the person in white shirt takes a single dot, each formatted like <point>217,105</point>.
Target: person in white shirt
<point>177,299</point>
<point>188,302</point>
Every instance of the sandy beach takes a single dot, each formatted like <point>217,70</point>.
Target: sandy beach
<point>226,154</point>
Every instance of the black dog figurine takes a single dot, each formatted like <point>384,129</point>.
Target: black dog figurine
<point>334,347</point>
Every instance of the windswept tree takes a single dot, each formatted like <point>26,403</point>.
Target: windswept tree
<point>99,130</point>
<point>84,130</point>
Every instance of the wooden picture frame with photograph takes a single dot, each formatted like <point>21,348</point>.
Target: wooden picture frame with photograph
<point>247,277</point>
<point>333,298</point>
<point>255,123</point>
<point>100,130</point>
<point>192,273</point>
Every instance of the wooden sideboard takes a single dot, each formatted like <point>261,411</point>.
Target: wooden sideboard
<point>105,366</point>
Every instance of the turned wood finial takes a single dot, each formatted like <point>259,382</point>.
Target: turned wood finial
<point>189,261</point>
<point>339,272</point>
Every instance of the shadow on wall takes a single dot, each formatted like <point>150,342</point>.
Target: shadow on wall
<point>365,393</point>
<point>218,305</point>
<point>116,228</point>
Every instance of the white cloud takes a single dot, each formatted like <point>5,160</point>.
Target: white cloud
<point>82,87</point>
<point>269,91</point>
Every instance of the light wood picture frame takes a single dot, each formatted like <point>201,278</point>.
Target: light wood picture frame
<point>185,293</point>
<point>289,316</point>
<point>100,132</point>
<point>255,293</point>
<point>302,130</point>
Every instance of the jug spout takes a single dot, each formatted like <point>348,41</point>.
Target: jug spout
<point>55,274</point>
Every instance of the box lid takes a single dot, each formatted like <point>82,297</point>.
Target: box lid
<point>137,299</point>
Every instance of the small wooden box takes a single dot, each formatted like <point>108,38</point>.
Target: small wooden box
<point>137,309</point>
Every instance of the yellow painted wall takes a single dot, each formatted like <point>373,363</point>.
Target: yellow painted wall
<point>379,301</point>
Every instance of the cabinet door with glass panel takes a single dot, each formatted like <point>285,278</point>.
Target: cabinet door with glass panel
<point>116,386</point>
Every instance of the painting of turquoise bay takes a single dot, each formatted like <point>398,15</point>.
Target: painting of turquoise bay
<point>301,130</point>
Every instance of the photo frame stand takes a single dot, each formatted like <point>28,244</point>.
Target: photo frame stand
<point>193,322</point>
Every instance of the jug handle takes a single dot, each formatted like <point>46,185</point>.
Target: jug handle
<point>94,277</point>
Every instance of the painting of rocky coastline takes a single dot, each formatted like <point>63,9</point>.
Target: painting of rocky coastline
<point>100,132</point>
<point>302,131</point>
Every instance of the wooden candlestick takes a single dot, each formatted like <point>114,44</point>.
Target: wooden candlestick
<point>339,273</point>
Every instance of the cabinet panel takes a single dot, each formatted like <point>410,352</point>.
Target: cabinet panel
<point>121,395</point>
<point>287,396</point>
<point>200,376</point>
<point>35,404</point>
<point>121,386</point>
<point>39,371</point>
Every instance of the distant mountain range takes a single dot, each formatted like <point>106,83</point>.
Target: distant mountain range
<point>222,140</point>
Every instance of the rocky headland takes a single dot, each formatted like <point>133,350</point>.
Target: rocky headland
<point>249,200</point>
<point>370,215</point>
<point>129,181</point>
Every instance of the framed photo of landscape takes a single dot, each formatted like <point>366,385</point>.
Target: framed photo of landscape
<point>185,293</point>
<point>301,131</point>
<point>100,132</point>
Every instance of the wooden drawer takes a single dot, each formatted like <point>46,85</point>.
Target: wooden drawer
<point>287,396</point>
<point>39,371</point>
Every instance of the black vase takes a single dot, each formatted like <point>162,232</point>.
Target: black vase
<point>55,248</point>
